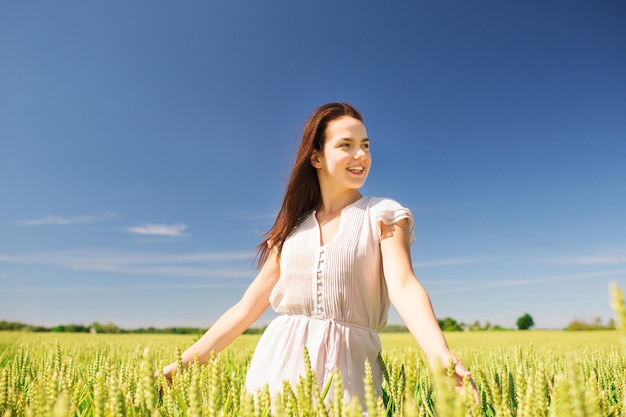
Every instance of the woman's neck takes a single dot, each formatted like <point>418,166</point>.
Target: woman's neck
<point>333,203</point>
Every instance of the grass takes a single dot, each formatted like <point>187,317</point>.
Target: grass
<point>518,373</point>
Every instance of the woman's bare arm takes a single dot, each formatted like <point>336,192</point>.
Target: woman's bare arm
<point>236,319</point>
<point>408,295</point>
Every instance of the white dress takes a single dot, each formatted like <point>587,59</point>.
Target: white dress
<point>332,299</point>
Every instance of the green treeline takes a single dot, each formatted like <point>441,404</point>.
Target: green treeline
<point>108,328</point>
<point>447,324</point>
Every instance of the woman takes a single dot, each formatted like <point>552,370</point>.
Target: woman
<point>330,265</point>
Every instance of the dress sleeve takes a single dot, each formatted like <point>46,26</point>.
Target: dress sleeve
<point>388,211</point>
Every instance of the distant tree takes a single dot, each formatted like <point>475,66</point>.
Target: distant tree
<point>255,330</point>
<point>475,326</point>
<point>525,322</point>
<point>110,328</point>
<point>12,325</point>
<point>597,322</point>
<point>69,328</point>
<point>38,329</point>
<point>394,328</point>
<point>578,324</point>
<point>487,325</point>
<point>105,328</point>
<point>449,325</point>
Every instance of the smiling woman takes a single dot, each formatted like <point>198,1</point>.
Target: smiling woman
<point>330,266</point>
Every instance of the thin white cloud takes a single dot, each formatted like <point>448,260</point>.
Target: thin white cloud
<point>454,287</point>
<point>245,216</point>
<point>103,256</point>
<point>49,219</point>
<point>63,221</point>
<point>193,265</point>
<point>173,230</point>
<point>175,271</point>
<point>448,262</point>
<point>98,288</point>
<point>608,258</point>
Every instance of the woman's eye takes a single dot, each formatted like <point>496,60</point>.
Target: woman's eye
<point>366,145</point>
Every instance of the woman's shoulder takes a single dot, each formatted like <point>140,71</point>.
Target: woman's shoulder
<point>384,210</point>
<point>384,203</point>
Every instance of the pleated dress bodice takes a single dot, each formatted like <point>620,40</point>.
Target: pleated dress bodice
<point>331,298</point>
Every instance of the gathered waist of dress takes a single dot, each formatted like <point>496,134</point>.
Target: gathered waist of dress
<point>330,320</point>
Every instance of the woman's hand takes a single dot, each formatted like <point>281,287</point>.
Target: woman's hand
<point>167,373</point>
<point>460,373</point>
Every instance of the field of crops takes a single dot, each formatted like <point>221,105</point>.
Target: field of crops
<point>532,373</point>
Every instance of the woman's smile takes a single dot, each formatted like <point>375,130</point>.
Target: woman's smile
<point>357,170</point>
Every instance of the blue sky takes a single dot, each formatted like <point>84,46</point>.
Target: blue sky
<point>144,146</point>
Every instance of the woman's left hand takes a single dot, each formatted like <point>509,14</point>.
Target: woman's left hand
<point>460,373</point>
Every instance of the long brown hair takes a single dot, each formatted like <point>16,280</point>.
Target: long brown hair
<point>303,189</point>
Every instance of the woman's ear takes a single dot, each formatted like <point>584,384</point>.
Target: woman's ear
<point>315,159</point>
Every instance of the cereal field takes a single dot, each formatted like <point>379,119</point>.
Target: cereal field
<point>533,373</point>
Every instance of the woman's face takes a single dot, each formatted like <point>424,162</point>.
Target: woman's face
<point>345,159</point>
